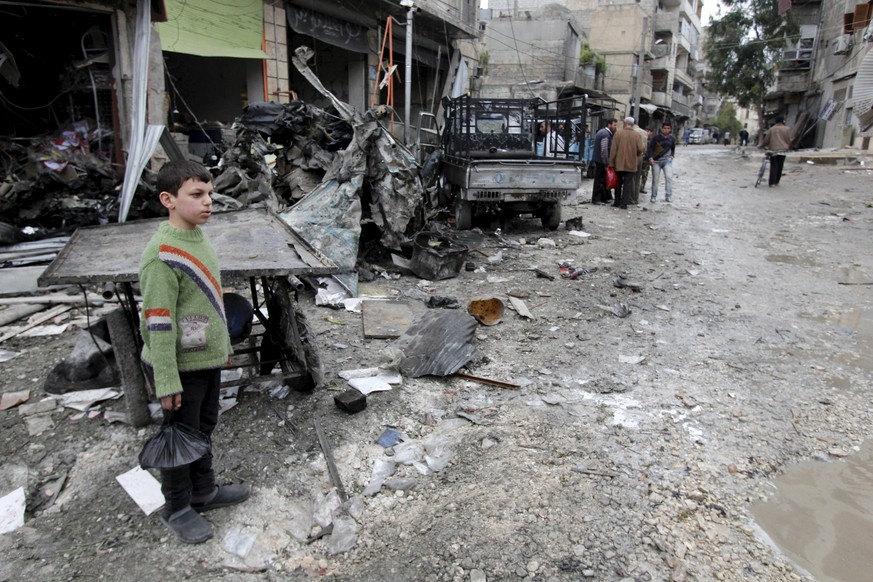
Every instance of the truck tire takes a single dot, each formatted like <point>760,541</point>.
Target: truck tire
<point>551,216</point>
<point>463,215</point>
<point>132,380</point>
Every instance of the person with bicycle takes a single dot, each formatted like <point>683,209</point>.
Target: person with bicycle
<point>662,148</point>
<point>778,141</point>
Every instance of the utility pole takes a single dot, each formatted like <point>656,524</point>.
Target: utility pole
<point>407,80</point>
<point>638,86</point>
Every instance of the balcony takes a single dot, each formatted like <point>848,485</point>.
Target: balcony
<point>661,99</point>
<point>681,76</point>
<point>666,22</point>
<point>459,13</point>
<point>792,81</point>
<point>661,64</point>
<point>680,105</point>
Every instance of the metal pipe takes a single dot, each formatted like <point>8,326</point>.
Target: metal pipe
<point>296,283</point>
<point>108,291</point>
<point>407,94</point>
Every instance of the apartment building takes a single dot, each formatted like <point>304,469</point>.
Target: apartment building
<point>819,74</point>
<point>665,33</point>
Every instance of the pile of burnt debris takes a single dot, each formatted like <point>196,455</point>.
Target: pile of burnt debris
<point>275,154</point>
<point>54,183</point>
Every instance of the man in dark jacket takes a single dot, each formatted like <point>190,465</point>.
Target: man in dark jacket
<point>600,157</point>
<point>662,148</point>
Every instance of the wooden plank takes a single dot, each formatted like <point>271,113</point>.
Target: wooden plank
<point>385,319</point>
<point>41,319</point>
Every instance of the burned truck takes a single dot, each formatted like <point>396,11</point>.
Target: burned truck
<point>510,157</point>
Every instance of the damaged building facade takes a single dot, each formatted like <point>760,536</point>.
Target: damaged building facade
<point>67,71</point>
<point>824,86</point>
<point>638,53</point>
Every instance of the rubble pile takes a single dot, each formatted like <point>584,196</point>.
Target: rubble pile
<point>57,182</point>
<point>280,153</point>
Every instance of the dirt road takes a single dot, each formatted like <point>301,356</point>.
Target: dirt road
<point>633,449</point>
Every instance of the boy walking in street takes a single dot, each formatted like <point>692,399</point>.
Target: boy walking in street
<point>186,341</point>
<point>662,148</point>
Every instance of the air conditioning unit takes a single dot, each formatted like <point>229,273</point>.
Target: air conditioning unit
<point>842,44</point>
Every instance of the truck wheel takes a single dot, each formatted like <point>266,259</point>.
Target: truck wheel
<point>463,215</point>
<point>551,216</point>
<point>127,358</point>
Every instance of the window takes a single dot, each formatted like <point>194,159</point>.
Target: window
<point>799,54</point>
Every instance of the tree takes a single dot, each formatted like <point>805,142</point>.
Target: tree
<point>727,120</point>
<point>743,49</point>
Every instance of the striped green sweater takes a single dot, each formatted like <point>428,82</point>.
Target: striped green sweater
<point>183,324</point>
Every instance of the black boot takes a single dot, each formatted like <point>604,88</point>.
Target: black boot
<point>188,526</point>
<point>222,496</point>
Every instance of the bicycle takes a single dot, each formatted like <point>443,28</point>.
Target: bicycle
<point>763,169</point>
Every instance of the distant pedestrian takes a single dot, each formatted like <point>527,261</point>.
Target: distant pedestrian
<point>685,136</point>
<point>744,137</point>
<point>727,138</point>
<point>638,176</point>
<point>600,157</point>
<point>627,147</point>
<point>778,140</point>
<point>662,148</point>
<point>644,178</point>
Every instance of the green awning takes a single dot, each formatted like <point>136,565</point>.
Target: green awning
<point>230,28</point>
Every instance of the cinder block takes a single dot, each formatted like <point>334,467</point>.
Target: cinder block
<point>351,401</point>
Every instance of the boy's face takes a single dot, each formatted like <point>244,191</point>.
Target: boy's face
<point>191,206</point>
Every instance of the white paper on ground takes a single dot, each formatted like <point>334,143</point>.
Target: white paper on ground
<point>374,383</point>
<point>83,399</point>
<point>143,489</point>
<point>12,511</point>
<point>579,233</point>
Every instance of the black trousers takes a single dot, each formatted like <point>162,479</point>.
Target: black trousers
<point>199,410</point>
<point>777,162</point>
<point>627,186</point>
<point>600,193</point>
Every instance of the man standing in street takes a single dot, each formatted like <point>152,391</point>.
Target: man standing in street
<point>627,147</point>
<point>778,139</point>
<point>644,178</point>
<point>638,176</point>
<point>600,157</point>
<point>744,137</point>
<point>662,148</point>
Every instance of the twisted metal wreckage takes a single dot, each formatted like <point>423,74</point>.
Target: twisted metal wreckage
<point>323,173</point>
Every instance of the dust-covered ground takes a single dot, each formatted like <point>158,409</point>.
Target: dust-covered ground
<point>632,450</point>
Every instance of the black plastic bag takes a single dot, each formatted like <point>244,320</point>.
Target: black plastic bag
<point>174,445</point>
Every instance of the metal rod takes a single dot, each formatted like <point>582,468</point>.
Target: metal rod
<point>331,465</point>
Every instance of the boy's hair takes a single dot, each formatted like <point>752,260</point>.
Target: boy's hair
<point>668,124</point>
<point>172,175</point>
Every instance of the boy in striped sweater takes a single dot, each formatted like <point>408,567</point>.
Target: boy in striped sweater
<point>186,341</point>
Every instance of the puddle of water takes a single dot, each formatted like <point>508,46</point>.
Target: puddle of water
<point>821,517</point>
<point>858,324</point>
